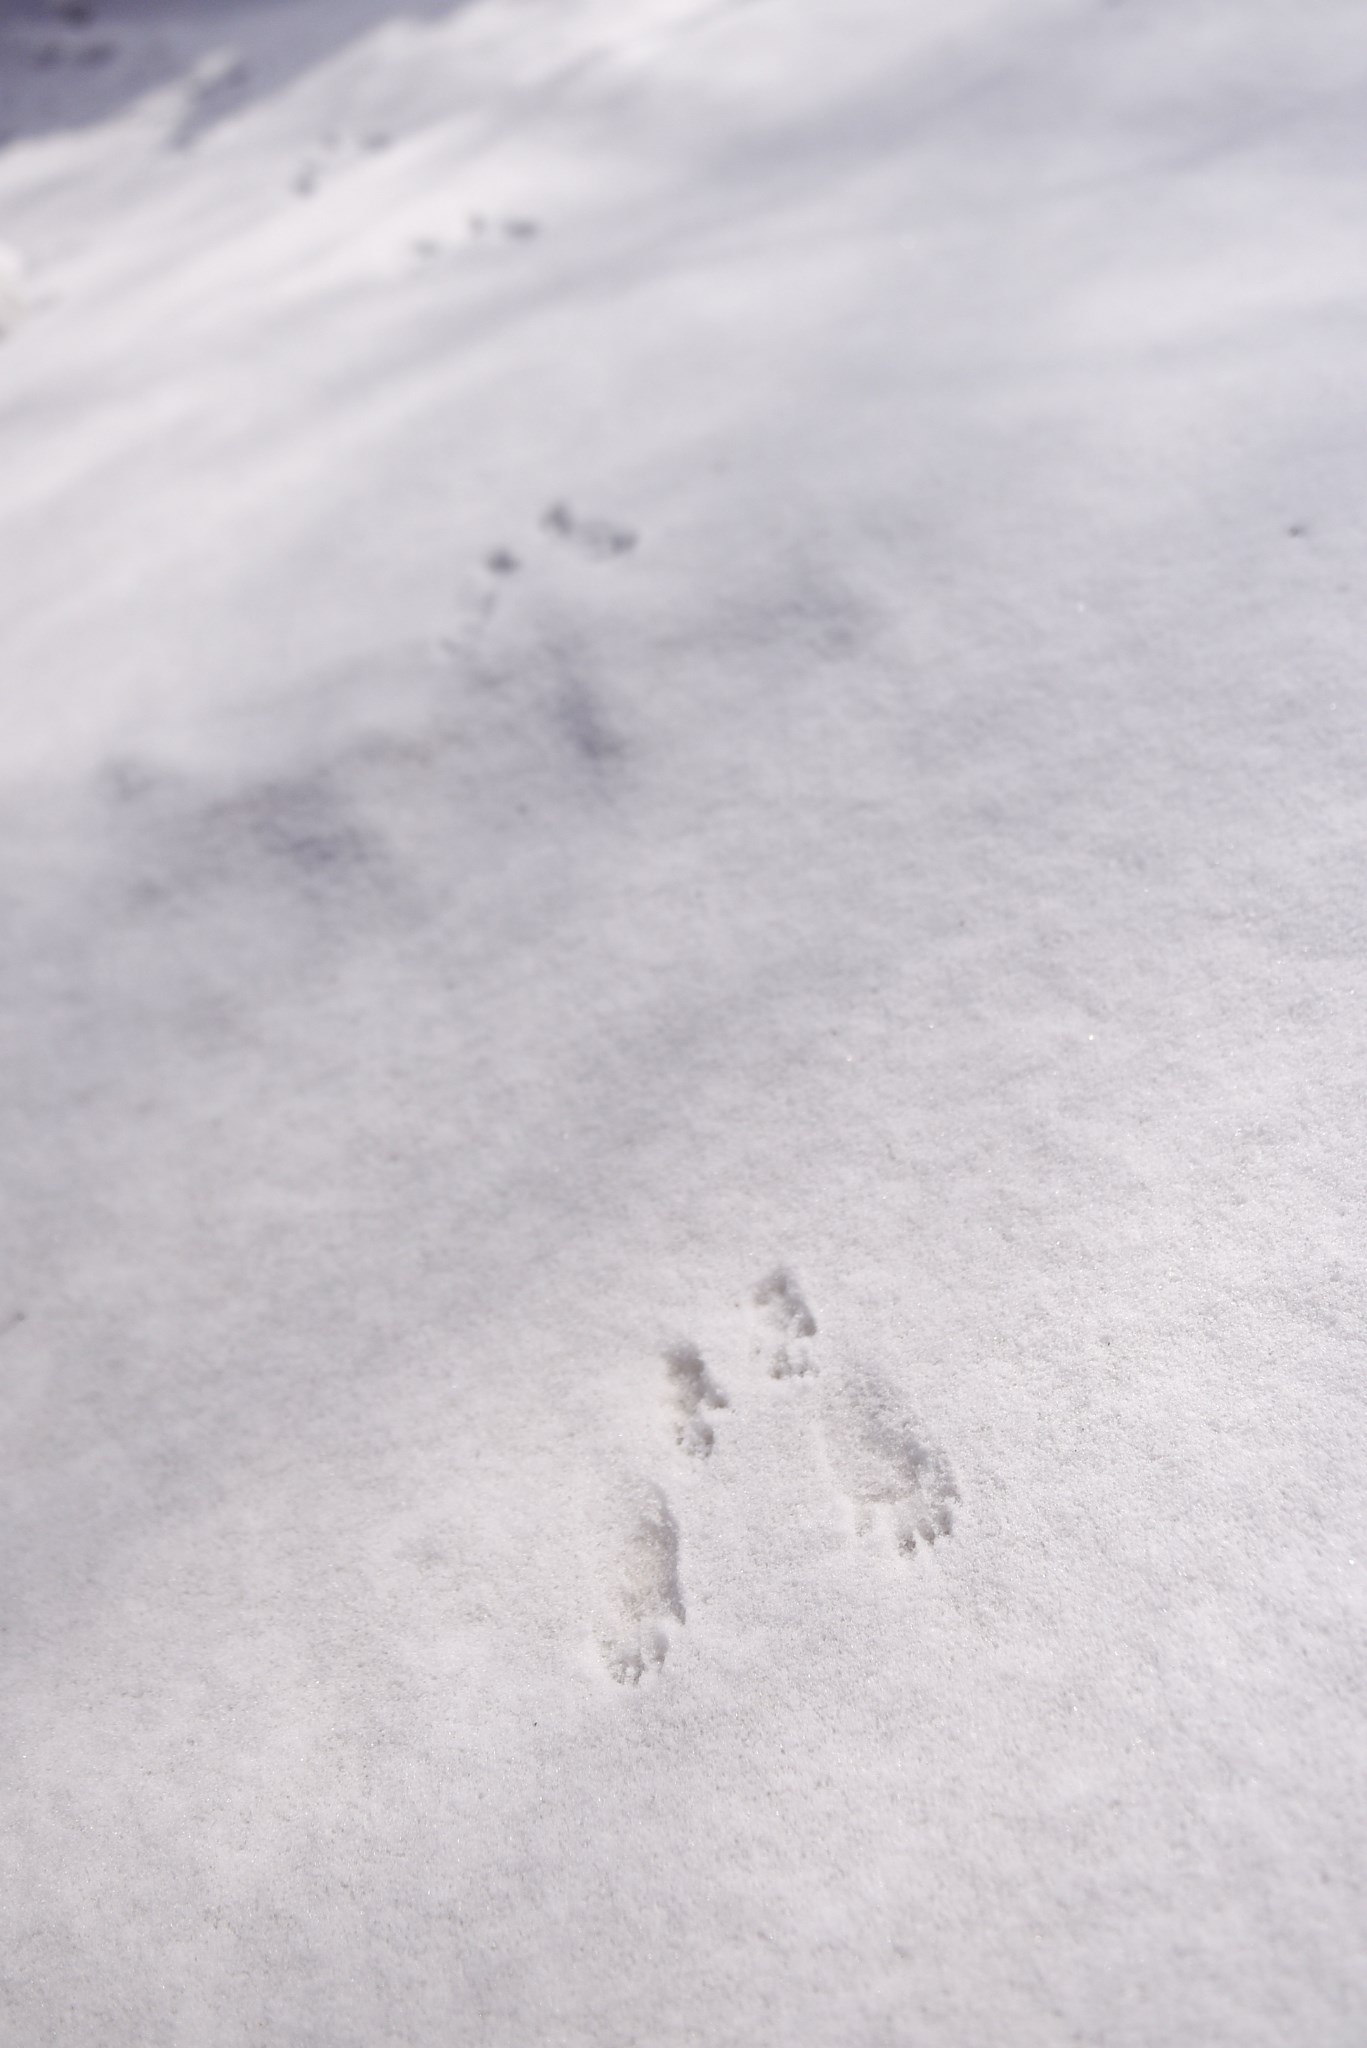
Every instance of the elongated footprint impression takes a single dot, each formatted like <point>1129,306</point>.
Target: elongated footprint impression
<point>886,1465</point>
<point>644,1591</point>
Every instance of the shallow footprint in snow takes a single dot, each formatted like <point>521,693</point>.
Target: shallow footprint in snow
<point>784,1326</point>
<point>692,1391</point>
<point>887,1467</point>
<point>643,1591</point>
<point>599,539</point>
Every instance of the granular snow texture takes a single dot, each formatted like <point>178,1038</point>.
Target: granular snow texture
<point>683,868</point>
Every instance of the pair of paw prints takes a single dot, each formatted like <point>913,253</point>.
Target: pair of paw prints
<point>333,153</point>
<point>589,535</point>
<point>597,539</point>
<point>645,1595</point>
<point>601,540</point>
<point>896,1483</point>
<point>479,227</point>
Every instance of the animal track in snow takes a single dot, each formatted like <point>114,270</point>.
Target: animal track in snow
<point>331,154</point>
<point>785,1326</point>
<point>887,1467</point>
<point>692,1391</point>
<point>646,1592</point>
<point>599,539</point>
<point>481,227</point>
<point>519,228</point>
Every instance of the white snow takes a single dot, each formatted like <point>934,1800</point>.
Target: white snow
<point>683,864</point>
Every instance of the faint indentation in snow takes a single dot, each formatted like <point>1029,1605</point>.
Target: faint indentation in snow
<point>583,722</point>
<point>888,1468</point>
<point>71,42</point>
<point>297,843</point>
<point>299,826</point>
<point>645,1591</point>
<point>600,539</point>
<point>216,82</point>
<point>692,1391</point>
<point>785,1326</point>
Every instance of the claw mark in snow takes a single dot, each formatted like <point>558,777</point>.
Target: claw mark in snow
<point>692,1390</point>
<point>786,1326</point>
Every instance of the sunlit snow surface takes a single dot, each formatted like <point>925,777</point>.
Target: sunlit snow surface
<point>683,868</point>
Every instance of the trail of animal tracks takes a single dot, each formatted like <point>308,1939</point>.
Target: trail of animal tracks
<point>681,1024</point>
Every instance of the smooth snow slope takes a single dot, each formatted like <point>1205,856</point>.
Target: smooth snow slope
<point>683,887</point>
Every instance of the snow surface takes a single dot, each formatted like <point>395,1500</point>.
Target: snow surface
<point>683,866</point>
